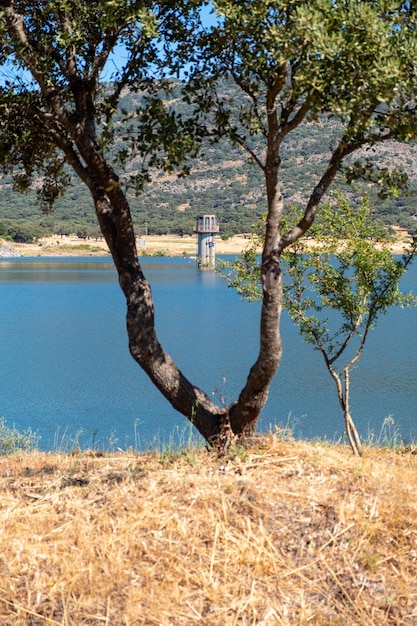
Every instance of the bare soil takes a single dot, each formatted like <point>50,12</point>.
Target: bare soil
<point>283,532</point>
<point>170,245</point>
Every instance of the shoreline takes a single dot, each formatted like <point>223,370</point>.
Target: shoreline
<point>153,245</point>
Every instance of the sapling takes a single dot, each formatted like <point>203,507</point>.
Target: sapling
<point>338,282</point>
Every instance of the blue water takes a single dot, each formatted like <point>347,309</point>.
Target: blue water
<point>65,370</point>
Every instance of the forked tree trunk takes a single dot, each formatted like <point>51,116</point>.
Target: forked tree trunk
<point>216,424</point>
<point>68,119</point>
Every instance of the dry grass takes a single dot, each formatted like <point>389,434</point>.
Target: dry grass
<point>283,533</point>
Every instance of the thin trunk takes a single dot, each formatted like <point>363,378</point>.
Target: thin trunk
<point>352,433</point>
<point>343,397</point>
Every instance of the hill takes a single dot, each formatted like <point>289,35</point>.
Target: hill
<point>222,181</point>
<point>282,532</point>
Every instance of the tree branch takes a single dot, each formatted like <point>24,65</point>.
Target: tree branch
<point>319,190</point>
<point>15,23</point>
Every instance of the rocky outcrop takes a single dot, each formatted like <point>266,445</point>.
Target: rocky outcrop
<point>7,250</point>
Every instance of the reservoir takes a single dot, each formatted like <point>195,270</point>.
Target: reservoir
<point>65,369</point>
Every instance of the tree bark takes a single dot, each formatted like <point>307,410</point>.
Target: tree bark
<point>115,221</point>
<point>252,399</point>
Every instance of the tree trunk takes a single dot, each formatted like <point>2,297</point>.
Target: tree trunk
<point>114,217</point>
<point>113,213</point>
<point>352,433</point>
<point>210,420</point>
<point>343,397</point>
<point>252,399</point>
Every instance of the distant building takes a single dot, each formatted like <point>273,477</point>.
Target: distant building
<point>206,228</point>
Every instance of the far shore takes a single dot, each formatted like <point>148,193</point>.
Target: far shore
<point>152,245</point>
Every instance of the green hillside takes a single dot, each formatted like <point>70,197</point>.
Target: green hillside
<point>222,181</point>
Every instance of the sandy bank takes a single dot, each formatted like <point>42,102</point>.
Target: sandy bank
<point>170,245</point>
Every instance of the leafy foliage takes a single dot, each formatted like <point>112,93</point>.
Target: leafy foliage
<point>349,270</point>
<point>67,43</point>
<point>337,285</point>
<point>12,440</point>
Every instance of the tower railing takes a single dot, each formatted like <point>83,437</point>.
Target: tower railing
<point>206,224</point>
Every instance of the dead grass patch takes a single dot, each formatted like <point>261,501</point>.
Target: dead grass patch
<point>285,533</point>
<point>82,249</point>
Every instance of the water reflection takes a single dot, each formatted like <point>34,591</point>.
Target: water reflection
<point>84,269</point>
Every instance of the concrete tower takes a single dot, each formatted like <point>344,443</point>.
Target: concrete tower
<point>206,229</point>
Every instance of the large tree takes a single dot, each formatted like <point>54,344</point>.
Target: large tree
<point>293,61</point>
<point>350,64</point>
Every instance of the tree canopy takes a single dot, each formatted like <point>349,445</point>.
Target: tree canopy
<point>73,60</point>
<point>292,61</point>
<point>337,291</point>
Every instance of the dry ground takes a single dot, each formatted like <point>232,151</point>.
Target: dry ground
<point>168,244</point>
<point>282,533</point>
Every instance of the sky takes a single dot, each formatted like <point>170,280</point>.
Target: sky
<point>116,60</point>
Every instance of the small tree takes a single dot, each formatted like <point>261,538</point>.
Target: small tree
<point>338,285</point>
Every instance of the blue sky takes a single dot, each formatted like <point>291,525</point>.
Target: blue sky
<point>117,58</point>
<point>208,18</point>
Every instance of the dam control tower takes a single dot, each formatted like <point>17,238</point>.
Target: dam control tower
<point>206,228</point>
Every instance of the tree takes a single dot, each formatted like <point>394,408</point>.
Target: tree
<point>54,109</point>
<point>337,286</point>
<point>354,275</point>
<point>293,62</point>
<point>296,63</point>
